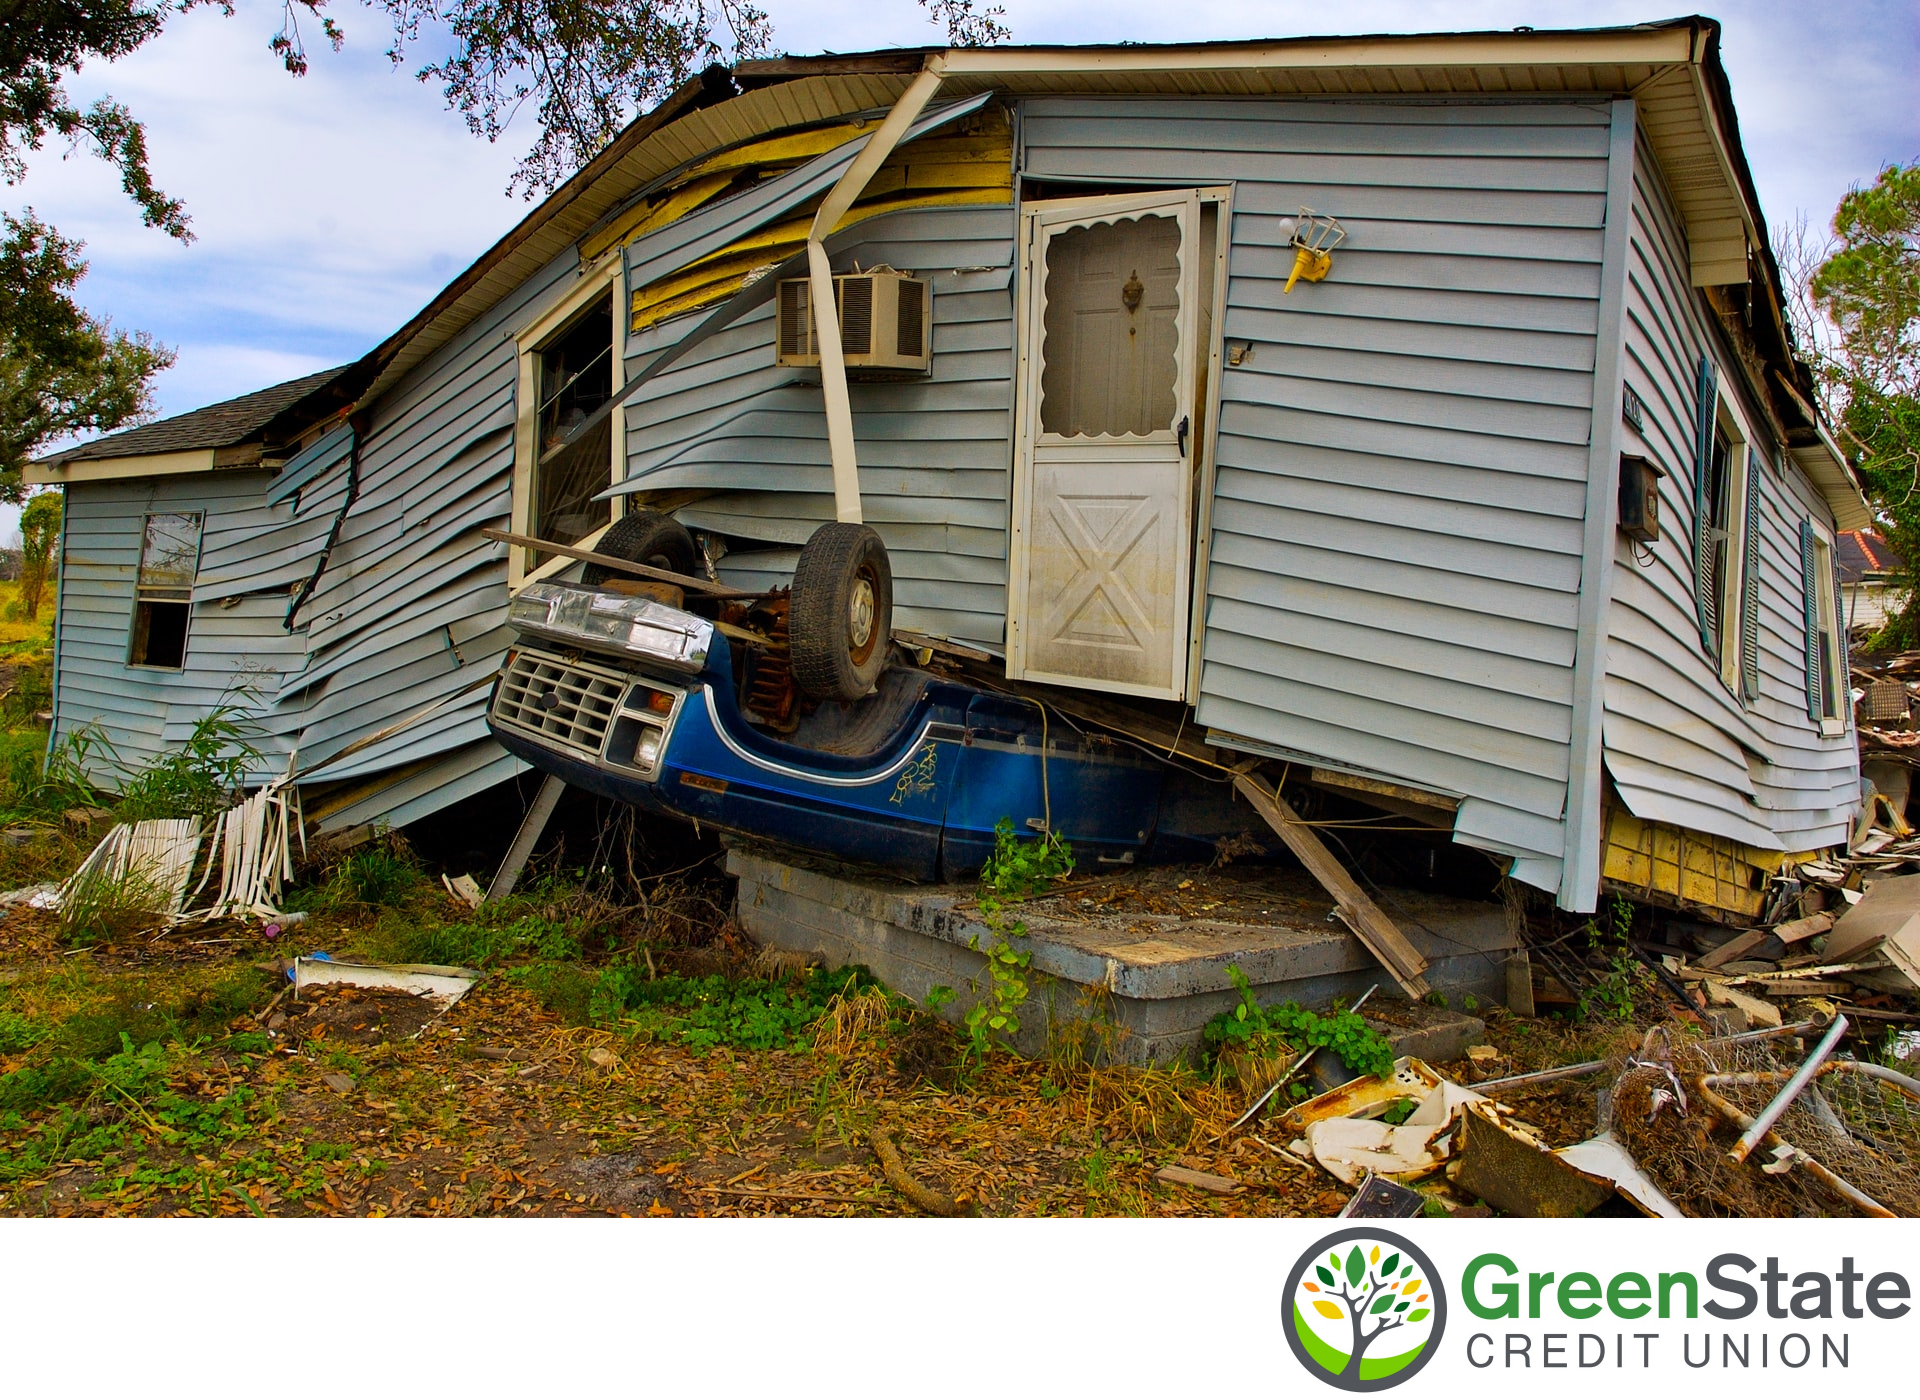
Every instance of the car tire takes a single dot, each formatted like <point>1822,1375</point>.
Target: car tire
<point>841,620</point>
<point>646,537</point>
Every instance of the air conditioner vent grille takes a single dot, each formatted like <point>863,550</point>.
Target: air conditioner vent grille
<point>856,315</point>
<point>912,334</point>
<point>884,324</point>
<point>796,321</point>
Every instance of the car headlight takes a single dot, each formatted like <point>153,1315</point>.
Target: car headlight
<point>602,621</point>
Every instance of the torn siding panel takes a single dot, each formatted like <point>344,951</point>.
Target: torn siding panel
<point>434,784</point>
<point>412,606</point>
<point>966,164</point>
<point>1400,491</point>
<point>1680,745</point>
<point>933,453</point>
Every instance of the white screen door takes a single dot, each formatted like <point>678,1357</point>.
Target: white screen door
<point>1102,535</point>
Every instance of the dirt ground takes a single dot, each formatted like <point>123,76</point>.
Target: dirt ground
<point>346,1102</point>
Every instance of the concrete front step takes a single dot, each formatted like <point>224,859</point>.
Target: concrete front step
<point>1141,986</point>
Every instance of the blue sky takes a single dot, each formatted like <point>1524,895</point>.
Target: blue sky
<point>331,207</point>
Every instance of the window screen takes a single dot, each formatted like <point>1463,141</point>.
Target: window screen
<point>163,593</point>
<point>1109,359</point>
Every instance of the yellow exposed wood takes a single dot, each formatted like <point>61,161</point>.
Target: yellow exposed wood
<point>971,166</point>
<point>788,148</point>
<point>723,272</point>
<point>645,218</point>
<point>1675,866</point>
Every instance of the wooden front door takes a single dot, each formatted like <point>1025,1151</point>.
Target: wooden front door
<point>1101,555</point>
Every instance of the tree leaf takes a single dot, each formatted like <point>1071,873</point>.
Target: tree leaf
<point>1356,1267</point>
<point>1381,1304</point>
<point>1417,1314</point>
<point>1389,1264</point>
<point>1326,1274</point>
<point>1326,1309</point>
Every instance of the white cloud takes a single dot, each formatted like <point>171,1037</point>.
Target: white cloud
<point>330,208</point>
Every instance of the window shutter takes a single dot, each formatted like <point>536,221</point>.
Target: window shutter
<point>1750,587</point>
<point>1706,588</point>
<point>1812,601</point>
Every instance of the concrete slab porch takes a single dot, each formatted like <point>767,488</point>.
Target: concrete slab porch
<point>1139,958</point>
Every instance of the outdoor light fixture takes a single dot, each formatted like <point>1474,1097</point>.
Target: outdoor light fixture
<point>1314,237</point>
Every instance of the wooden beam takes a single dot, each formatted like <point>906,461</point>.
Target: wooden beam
<point>1369,924</point>
<point>625,566</point>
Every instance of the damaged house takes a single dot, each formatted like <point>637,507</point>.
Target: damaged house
<point>1415,413</point>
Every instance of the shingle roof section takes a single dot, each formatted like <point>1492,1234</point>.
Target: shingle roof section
<point>216,425</point>
<point>1861,552</point>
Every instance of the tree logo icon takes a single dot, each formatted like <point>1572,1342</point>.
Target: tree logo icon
<point>1365,1309</point>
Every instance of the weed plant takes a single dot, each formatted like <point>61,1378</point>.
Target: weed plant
<point>199,777</point>
<point>1289,1026</point>
<point>1015,870</point>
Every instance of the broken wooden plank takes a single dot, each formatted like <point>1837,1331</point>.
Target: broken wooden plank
<point>920,641</point>
<point>1371,926</point>
<point>1734,947</point>
<point>1205,1181</point>
<point>625,566</point>
<point>1799,930</point>
<point>1125,719</point>
<point>1757,1012</point>
<point>1333,777</point>
<point>1520,983</point>
<point>1804,987</point>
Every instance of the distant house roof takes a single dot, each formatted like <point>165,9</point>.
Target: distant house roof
<point>1859,553</point>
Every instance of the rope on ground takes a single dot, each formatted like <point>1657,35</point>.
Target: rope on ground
<point>924,1198</point>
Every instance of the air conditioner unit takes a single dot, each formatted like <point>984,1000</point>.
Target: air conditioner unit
<point>885,323</point>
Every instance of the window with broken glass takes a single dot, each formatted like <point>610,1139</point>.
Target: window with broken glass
<point>574,376</point>
<point>163,593</point>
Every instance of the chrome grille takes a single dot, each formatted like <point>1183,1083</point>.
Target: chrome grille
<point>564,701</point>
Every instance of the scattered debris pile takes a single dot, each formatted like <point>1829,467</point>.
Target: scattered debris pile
<point>1736,1126</point>
<point>1847,1143</point>
<point>1861,959</point>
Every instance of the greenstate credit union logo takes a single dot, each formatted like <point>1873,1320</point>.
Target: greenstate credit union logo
<point>1365,1309</point>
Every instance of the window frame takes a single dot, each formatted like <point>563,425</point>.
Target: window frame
<point>146,594</point>
<point>1730,580</point>
<point>1823,606</point>
<point>605,279</point>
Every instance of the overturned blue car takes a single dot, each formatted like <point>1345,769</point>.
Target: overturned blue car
<point>617,690</point>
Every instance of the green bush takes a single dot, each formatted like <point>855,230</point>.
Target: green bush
<point>1251,1025</point>
<point>18,1032</point>
<point>698,1012</point>
<point>703,1012</point>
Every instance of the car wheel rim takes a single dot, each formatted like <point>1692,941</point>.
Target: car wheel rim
<point>860,610</point>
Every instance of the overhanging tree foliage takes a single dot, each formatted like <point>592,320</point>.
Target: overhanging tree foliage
<point>586,66</point>
<point>1868,287</point>
<point>61,370</point>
